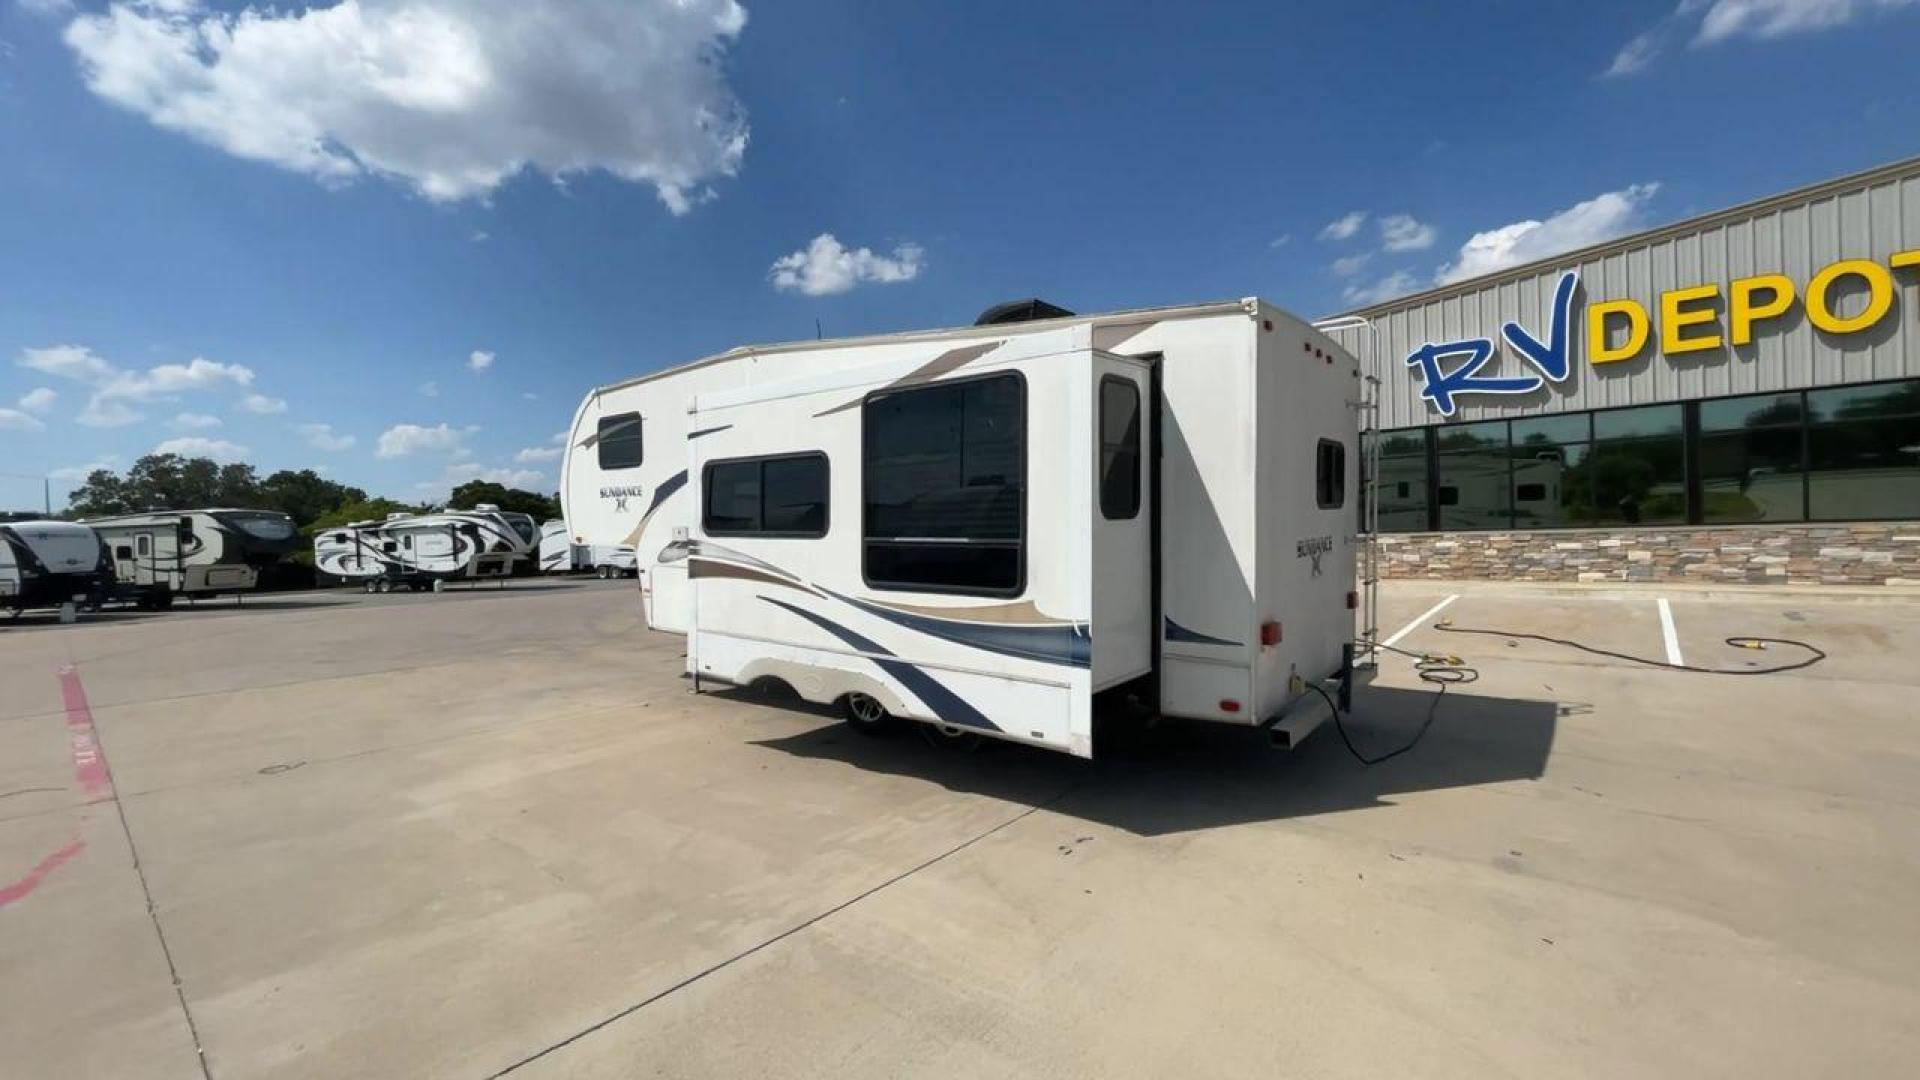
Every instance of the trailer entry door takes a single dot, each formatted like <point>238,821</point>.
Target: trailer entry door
<point>1123,632</point>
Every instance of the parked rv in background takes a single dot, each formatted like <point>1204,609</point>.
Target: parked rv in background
<point>194,553</point>
<point>412,551</point>
<point>45,564</point>
<point>560,555</point>
<point>982,528</point>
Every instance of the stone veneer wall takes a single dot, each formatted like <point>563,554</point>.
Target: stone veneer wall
<point>1886,553</point>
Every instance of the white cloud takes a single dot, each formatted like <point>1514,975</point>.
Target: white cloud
<point>450,98</point>
<point>15,420</point>
<point>1400,232</point>
<point>1723,20</point>
<point>199,446</point>
<point>480,236</point>
<point>479,360</point>
<point>403,439</point>
<point>262,404</point>
<point>47,8</point>
<point>1398,283</point>
<point>1344,226</point>
<point>1280,241</point>
<point>323,437</point>
<point>1351,264</point>
<point>825,267</point>
<point>105,412</point>
<point>1601,218</point>
<point>117,390</point>
<point>539,453</point>
<point>528,395</point>
<point>191,421</point>
<point>68,362</point>
<point>38,400</point>
<point>429,389</point>
<point>73,474</point>
<point>460,472</point>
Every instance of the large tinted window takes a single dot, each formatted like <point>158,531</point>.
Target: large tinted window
<point>1119,449</point>
<point>1402,496</point>
<point>1637,470</point>
<point>1475,487</point>
<point>1329,474</point>
<point>1549,455</point>
<point>770,496</point>
<point>944,486</point>
<point>1750,459</point>
<point>1863,452</point>
<point>619,441</point>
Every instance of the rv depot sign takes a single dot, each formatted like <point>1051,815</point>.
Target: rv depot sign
<point>1688,321</point>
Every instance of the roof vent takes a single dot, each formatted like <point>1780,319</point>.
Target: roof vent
<point>1027,310</point>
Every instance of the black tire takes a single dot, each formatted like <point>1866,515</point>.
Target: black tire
<point>953,738</point>
<point>864,714</point>
<point>163,599</point>
<point>605,572</point>
<point>369,586</point>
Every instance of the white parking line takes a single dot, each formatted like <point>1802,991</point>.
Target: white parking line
<point>1667,632</point>
<point>1417,622</point>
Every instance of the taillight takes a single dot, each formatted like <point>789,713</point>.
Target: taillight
<point>1229,705</point>
<point>1269,634</point>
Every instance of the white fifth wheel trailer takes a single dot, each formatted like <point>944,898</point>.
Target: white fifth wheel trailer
<point>194,553</point>
<point>983,528</point>
<point>46,564</point>
<point>411,551</point>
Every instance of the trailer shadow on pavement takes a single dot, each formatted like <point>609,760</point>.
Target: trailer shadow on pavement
<point>1184,776</point>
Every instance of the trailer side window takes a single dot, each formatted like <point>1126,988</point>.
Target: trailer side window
<point>1330,475</point>
<point>1119,449</point>
<point>772,496</point>
<point>619,441</point>
<point>943,485</point>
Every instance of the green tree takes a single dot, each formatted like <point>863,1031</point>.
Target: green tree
<point>513,500</point>
<point>306,496</point>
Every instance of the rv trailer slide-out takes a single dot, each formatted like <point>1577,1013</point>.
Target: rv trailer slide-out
<point>982,528</point>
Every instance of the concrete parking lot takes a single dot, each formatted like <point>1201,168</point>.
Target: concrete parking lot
<point>488,833</point>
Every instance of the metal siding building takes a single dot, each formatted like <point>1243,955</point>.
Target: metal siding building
<point>1793,457</point>
<point>1868,216</point>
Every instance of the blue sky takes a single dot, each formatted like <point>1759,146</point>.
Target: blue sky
<point>334,209</point>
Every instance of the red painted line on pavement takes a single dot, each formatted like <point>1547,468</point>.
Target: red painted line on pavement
<point>89,761</point>
<point>19,889</point>
<point>89,770</point>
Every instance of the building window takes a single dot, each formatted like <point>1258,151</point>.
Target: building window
<point>943,477</point>
<point>1330,475</point>
<point>619,441</point>
<point>1403,481</point>
<point>783,496</point>
<point>1863,452</point>
<point>1638,468</point>
<point>1119,449</point>
<point>1475,485</point>
<point>1751,454</point>
<point>1549,455</point>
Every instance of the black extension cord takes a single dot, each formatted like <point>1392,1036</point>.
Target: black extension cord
<point>1445,671</point>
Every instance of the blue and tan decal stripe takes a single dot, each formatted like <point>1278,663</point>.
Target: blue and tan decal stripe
<point>1176,632</point>
<point>1056,643</point>
<point>660,494</point>
<point>948,706</point>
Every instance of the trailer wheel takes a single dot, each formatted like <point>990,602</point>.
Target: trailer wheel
<point>162,598</point>
<point>370,585</point>
<point>603,572</point>
<point>383,585</point>
<point>866,715</point>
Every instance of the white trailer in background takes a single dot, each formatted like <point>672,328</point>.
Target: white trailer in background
<point>984,528</point>
<point>559,554</point>
<point>194,553</point>
<point>413,551</point>
<point>45,564</point>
